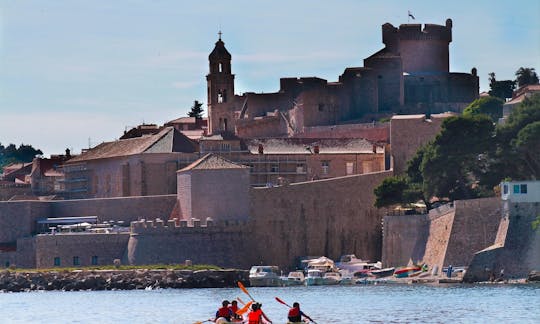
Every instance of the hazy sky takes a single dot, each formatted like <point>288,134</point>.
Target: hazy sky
<point>74,72</point>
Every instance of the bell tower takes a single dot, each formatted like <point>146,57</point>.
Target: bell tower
<point>220,89</point>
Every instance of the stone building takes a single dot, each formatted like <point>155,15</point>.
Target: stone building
<point>410,74</point>
<point>138,166</point>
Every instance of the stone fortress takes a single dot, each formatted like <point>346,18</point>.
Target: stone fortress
<point>200,198</point>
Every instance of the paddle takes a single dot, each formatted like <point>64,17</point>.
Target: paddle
<point>244,309</point>
<point>240,300</point>
<point>241,285</point>
<point>284,303</point>
<point>208,320</point>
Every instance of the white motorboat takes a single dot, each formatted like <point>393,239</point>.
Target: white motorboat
<point>352,264</point>
<point>331,278</point>
<point>295,278</point>
<point>314,277</point>
<point>264,276</point>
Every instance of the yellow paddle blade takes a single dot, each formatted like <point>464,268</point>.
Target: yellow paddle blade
<point>244,309</point>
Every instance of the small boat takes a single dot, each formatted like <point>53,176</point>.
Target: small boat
<point>223,320</point>
<point>314,277</point>
<point>295,278</point>
<point>382,272</point>
<point>346,278</point>
<point>264,276</point>
<point>331,278</point>
<point>405,272</point>
<point>351,263</point>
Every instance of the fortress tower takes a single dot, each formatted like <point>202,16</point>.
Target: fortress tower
<point>220,82</point>
<point>421,50</point>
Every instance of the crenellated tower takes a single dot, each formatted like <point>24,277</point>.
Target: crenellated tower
<point>220,82</point>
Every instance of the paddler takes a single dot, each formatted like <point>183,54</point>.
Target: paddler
<point>295,314</point>
<point>224,311</point>
<point>234,308</point>
<point>256,314</point>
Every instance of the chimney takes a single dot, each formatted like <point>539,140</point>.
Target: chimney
<point>68,153</point>
<point>316,149</point>
<point>261,149</point>
<point>374,148</point>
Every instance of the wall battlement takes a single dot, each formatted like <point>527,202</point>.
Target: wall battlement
<point>194,225</point>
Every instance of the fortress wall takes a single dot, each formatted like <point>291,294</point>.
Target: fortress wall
<point>404,238</point>
<point>270,126</point>
<point>223,245</point>
<point>440,227</point>
<point>106,247</point>
<point>25,256</point>
<point>474,228</point>
<point>371,132</point>
<point>326,217</point>
<point>18,218</point>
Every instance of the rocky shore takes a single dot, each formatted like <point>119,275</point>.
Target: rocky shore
<point>119,279</point>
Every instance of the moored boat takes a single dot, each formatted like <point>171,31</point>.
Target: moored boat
<point>264,276</point>
<point>405,272</point>
<point>331,278</point>
<point>295,278</point>
<point>314,277</point>
<point>382,272</point>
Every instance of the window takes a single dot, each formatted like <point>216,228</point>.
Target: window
<point>523,188</point>
<point>220,67</point>
<point>225,147</point>
<point>300,168</point>
<point>505,189</point>
<point>274,168</point>
<point>516,189</point>
<point>56,261</point>
<point>95,260</point>
<point>350,167</point>
<point>325,166</point>
<point>321,107</point>
<point>220,97</point>
<point>76,261</point>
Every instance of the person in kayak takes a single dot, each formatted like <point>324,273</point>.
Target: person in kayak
<point>224,311</point>
<point>256,315</point>
<point>234,308</point>
<point>295,314</point>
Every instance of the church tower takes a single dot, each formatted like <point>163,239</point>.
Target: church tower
<point>220,84</point>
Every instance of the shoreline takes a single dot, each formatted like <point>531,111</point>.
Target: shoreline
<point>138,279</point>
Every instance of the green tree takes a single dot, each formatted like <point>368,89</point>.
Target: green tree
<point>526,76</point>
<point>500,89</point>
<point>390,191</point>
<point>12,154</point>
<point>196,110</point>
<point>527,146</point>
<point>449,164</point>
<point>491,106</point>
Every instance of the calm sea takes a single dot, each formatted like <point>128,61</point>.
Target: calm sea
<point>330,304</point>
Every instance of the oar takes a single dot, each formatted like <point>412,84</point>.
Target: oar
<point>241,285</point>
<point>244,309</point>
<point>284,303</point>
<point>240,300</point>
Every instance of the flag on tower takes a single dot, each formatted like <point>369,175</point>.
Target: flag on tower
<point>411,15</point>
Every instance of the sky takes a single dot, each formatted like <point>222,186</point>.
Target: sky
<point>75,73</point>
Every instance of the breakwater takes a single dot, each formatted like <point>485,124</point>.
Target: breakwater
<point>11,281</point>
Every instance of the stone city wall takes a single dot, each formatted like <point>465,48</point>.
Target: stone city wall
<point>326,217</point>
<point>9,190</point>
<point>78,249</point>
<point>404,238</point>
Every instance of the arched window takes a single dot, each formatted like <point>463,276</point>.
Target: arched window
<point>220,67</point>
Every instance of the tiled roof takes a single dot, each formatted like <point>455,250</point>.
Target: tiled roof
<point>165,141</point>
<point>212,161</point>
<point>307,146</point>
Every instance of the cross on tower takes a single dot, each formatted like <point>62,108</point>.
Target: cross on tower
<point>219,33</point>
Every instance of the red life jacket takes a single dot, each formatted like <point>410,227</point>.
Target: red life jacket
<point>254,317</point>
<point>224,312</point>
<point>294,315</point>
<point>233,308</point>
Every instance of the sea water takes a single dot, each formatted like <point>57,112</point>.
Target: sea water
<point>325,304</point>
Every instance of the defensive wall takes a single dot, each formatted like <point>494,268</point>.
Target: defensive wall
<point>448,235</point>
<point>516,249</point>
<point>371,131</point>
<point>325,217</point>
<point>18,218</point>
<point>223,243</point>
<point>9,190</point>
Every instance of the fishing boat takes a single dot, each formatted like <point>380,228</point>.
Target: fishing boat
<point>264,276</point>
<point>314,277</point>
<point>381,273</point>
<point>331,278</point>
<point>405,272</point>
<point>295,278</point>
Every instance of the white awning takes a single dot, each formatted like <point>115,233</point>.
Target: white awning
<point>68,220</point>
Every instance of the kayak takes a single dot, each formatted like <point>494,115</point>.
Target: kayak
<point>223,320</point>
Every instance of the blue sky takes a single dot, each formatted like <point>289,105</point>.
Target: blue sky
<point>80,72</point>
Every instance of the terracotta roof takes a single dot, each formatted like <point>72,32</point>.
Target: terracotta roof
<point>212,161</point>
<point>166,141</point>
<point>307,146</point>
